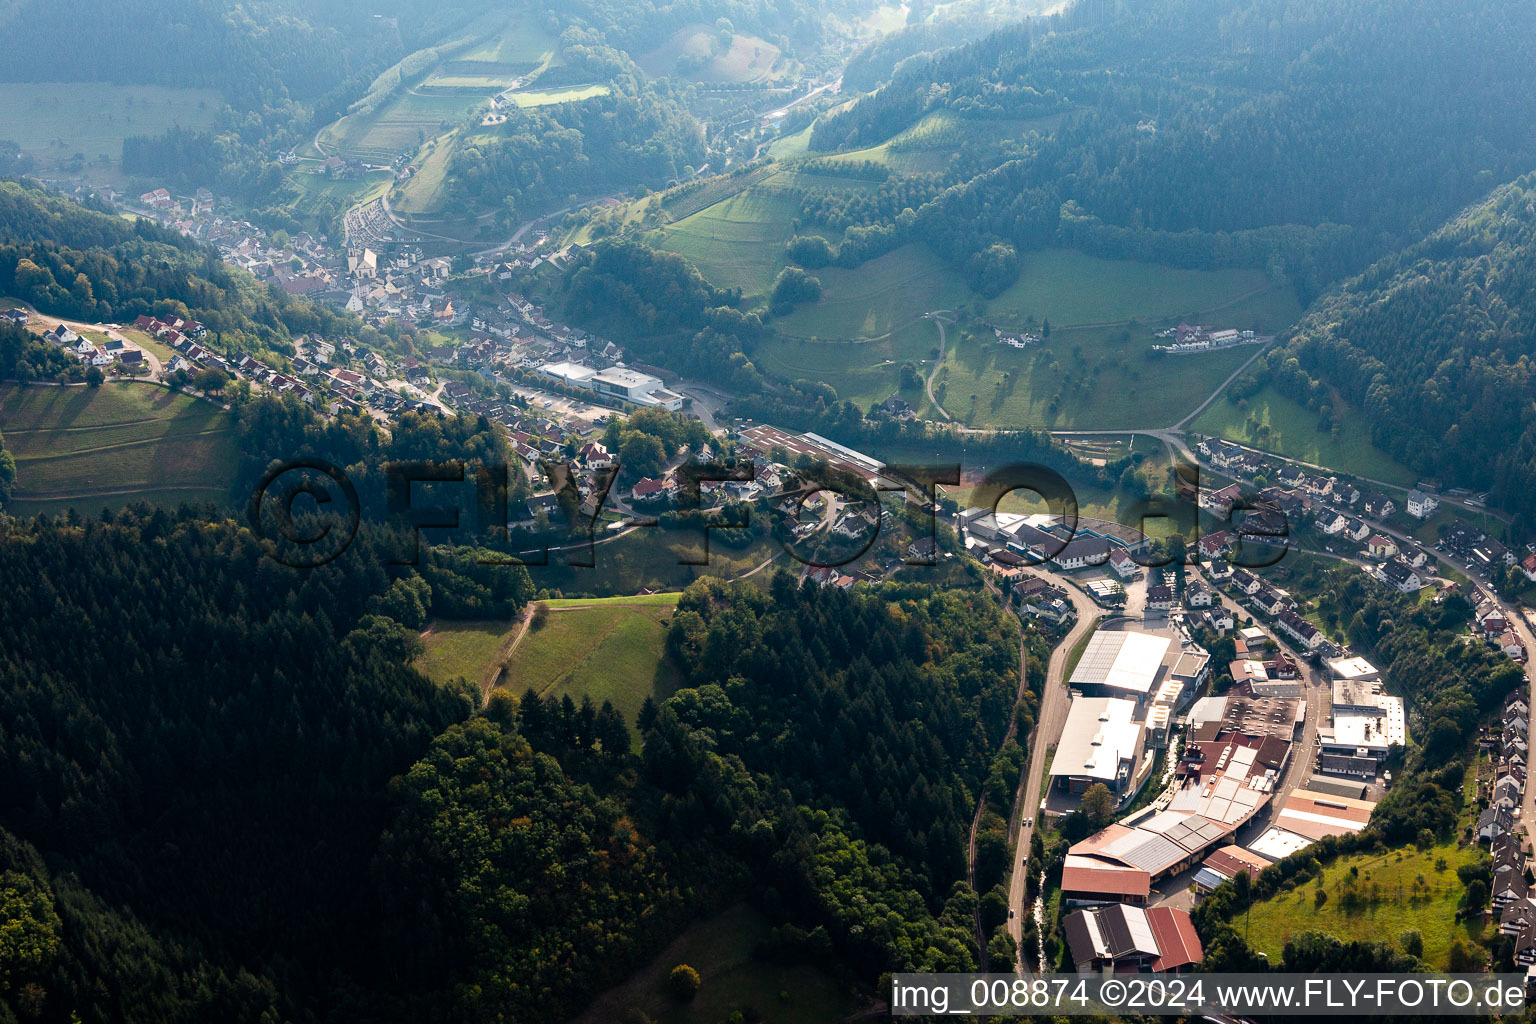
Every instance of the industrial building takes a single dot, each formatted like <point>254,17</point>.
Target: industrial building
<point>1121,939</point>
<point>1101,742</point>
<point>1121,663</point>
<point>616,382</point>
<point>1366,720</point>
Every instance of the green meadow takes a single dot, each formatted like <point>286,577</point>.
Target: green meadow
<point>1273,422</point>
<point>605,648</point>
<point>88,448</point>
<point>54,121</point>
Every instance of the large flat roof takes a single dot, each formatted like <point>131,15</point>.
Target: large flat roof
<point>1278,843</point>
<point>573,372</point>
<point>1353,668</point>
<point>622,376</point>
<point>1099,733</point>
<point>1121,659</point>
<point>1360,729</point>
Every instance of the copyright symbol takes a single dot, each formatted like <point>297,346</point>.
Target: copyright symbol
<point>1112,993</point>
<point>306,512</point>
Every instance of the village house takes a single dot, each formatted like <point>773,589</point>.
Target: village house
<point>1421,505</point>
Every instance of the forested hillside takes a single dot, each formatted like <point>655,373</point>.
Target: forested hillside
<point>76,262</point>
<point>199,823</point>
<point>1436,345</point>
<point>196,744</point>
<point>638,134</point>
<point>1214,134</point>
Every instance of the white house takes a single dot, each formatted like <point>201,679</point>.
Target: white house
<point>1421,505</point>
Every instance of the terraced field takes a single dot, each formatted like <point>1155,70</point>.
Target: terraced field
<point>738,243</point>
<point>399,126</point>
<point>123,442</point>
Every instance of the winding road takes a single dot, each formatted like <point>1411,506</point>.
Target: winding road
<point>933,374</point>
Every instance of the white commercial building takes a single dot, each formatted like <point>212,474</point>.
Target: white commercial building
<point>1123,663</point>
<point>1099,743</point>
<point>617,382</point>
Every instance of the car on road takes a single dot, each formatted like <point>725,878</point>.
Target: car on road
<point>1029,822</point>
<point>1010,915</point>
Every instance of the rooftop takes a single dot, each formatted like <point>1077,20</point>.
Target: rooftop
<point>1099,734</point>
<point>1121,659</point>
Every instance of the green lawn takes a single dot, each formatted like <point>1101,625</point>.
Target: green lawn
<point>720,949</point>
<point>54,121</point>
<point>862,372</point>
<point>160,349</point>
<point>1273,422</point>
<point>124,442</point>
<point>787,146</point>
<point>468,649</point>
<point>426,191</point>
<point>523,40</point>
<point>876,298</point>
<point>1397,873</point>
<point>1080,378</point>
<point>608,649</point>
<point>667,600</point>
<point>1066,287</point>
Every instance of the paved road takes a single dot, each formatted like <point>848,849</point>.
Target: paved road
<point>708,402</point>
<point>1319,696</point>
<point>1054,704</point>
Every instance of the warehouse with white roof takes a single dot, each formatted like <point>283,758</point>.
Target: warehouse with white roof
<point>1121,663</point>
<point>1100,743</point>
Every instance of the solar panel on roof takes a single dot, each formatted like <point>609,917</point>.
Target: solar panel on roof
<point>1153,853</point>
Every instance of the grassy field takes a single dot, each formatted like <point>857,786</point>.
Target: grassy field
<point>547,97</point>
<point>1080,378</point>
<point>54,121</point>
<point>863,372</point>
<point>120,443</point>
<point>400,125</point>
<point>787,146</point>
<point>738,243</point>
<point>876,298</point>
<point>720,949</point>
<point>427,189</point>
<point>1068,288</point>
<point>748,59</point>
<point>1398,872</point>
<point>608,649</point>
<point>468,649</point>
<point>1275,423</point>
<point>525,39</point>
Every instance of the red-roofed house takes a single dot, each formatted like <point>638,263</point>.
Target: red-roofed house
<point>1177,944</point>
